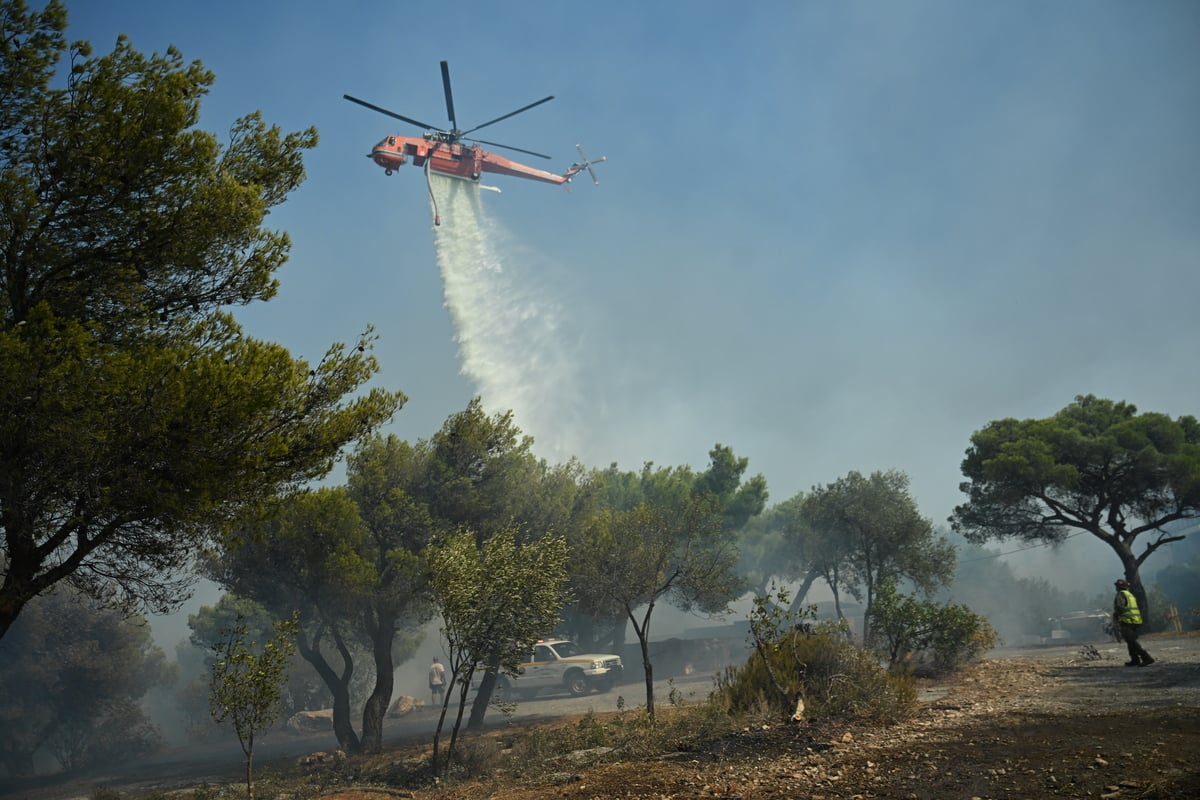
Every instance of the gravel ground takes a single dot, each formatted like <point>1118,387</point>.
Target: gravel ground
<point>1061,722</point>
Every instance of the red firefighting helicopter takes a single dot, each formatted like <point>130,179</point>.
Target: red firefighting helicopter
<point>450,152</point>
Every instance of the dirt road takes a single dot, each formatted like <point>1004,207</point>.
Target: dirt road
<point>222,760</point>
<point>1059,722</point>
<point>1066,722</point>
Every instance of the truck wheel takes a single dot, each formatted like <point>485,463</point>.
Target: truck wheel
<point>577,684</point>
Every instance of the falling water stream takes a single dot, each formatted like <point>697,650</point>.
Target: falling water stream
<point>508,328</point>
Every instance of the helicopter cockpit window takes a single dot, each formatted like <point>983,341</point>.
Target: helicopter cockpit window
<point>392,140</point>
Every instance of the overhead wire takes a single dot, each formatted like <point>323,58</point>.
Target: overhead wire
<point>990,556</point>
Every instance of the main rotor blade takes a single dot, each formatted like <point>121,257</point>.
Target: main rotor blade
<point>510,147</point>
<point>392,114</point>
<point>449,96</point>
<point>511,114</point>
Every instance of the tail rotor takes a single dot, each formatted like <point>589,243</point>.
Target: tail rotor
<point>587,164</point>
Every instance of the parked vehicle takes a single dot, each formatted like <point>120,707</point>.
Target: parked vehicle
<point>561,665</point>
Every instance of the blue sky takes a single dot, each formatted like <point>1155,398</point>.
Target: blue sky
<point>832,235</point>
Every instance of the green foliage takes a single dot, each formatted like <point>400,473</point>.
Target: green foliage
<point>862,530</point>
<point>796,665</point>
<point>723,483</point>
<point>946,635</point>
<point>247,682</point>
<point>679,551</point>
<point>208,626</point>
<point>739,500</point>
<point>960,636</point>
<point>137,418</point>
<point>493,600</point>
<point>1013,605</point>
<point>481,475</point>
<point>72,674</point>
<point>1096,466</point>
<point>318,555</point>
<point>806,546</point>
<point>721,491</point>
<point>480,472</point>
<point>833,676</point>
<point>763,554</point>
<point>385,479</point>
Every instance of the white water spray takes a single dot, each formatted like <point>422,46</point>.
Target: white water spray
<point>507,327</point>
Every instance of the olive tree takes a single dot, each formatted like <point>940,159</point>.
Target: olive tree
<point>482,476</point>
<point>312,554</point>
<point>734,500</point>
<point>247,681</point>
<point>869,530</point>
<point>680,552</point>
<point>492,601</point>
<point>72,677</point>
<point>384,475</point>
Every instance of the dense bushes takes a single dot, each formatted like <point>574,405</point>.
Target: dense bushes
<point>72,676</point>
<point>938,637</point>
<point>811,671</point>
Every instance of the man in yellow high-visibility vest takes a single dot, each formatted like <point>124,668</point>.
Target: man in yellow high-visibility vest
<point>1129,619</point>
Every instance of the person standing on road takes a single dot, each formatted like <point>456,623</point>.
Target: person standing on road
<point>1129,619</point>
<point>437,682</point>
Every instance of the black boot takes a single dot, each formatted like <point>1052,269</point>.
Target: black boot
<point>1146,661</point>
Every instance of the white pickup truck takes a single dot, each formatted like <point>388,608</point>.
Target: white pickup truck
<point>558,664</point>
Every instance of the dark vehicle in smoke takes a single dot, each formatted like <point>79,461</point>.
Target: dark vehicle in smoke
<point>1082,626</point>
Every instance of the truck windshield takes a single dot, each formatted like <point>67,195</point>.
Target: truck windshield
<point>567,649</point>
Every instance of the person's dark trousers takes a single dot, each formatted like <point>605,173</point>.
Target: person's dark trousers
<point>1138,657</point>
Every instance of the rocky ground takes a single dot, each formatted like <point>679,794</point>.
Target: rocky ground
<point>1065,722</point>
<point>1069,722</point>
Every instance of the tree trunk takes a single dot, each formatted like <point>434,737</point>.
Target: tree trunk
<point>339,688</point>
<point>1131,565</point>
<point>382,631</point>
<point>798,602</point>
<point>20,584</point>
<point>868,635</point>
<point>483,697</point>
<point>649,669</point>
<point>442,766</point>
<point>435,763</point>
<point>248,749</point>
<point>643,634</point>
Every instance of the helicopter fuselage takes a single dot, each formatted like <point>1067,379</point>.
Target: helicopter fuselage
<point>465,161</point>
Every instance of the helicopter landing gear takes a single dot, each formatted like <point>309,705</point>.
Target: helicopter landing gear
<point>387,172</point>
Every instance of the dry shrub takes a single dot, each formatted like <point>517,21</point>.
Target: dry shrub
<point>631,734</point>
<point>833,677</point>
